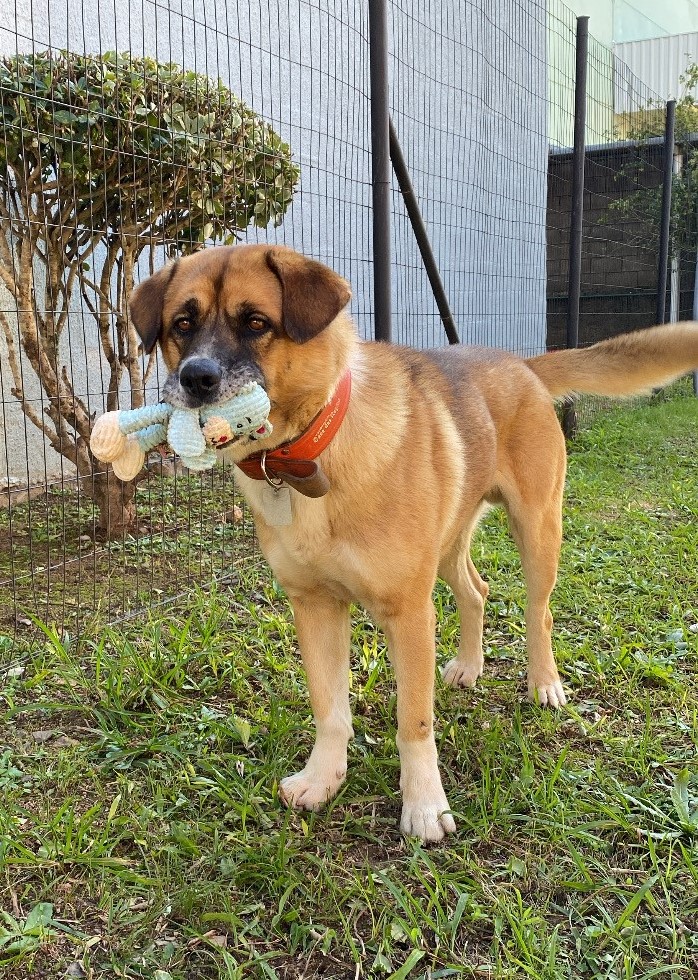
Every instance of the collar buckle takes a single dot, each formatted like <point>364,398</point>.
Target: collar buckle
<point>263,466</point>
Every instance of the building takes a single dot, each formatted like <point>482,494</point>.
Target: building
<point>638,51</point>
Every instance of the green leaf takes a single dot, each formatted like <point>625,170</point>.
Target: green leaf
<point>39,917</point>
<point>382,963</point>
<point>243,728</point>
<point>412,960</point>
<point>64,116</point>
<point>635,901</point>
<point>397,932</point>
<point>680,799</point>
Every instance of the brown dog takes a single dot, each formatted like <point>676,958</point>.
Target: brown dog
<point>429,440</point>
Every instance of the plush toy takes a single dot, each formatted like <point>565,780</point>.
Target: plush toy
<point>123,438</point>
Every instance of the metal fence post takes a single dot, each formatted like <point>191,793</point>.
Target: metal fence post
<point>569,417</point>
<point>665,222</point>
<point>695,303</point>
<point>380,166</point>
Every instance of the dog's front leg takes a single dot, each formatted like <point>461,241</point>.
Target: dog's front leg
<point>322,624</point>
<point>411,643</point>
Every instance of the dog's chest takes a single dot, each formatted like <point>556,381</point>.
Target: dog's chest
<point>291,527</point>
<point>309,552</point>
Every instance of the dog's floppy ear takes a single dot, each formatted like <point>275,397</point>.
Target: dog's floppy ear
<point>313,294</point>
<point>146,305</point>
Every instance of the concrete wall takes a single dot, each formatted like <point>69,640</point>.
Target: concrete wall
<point>469,102</point>
<point>660,63</point>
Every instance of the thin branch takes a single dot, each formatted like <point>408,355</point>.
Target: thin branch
<point>18,382</point>
<point>104,311</point>
<point>150,368</point>
<point>133,363</point>
<point>80,419</point>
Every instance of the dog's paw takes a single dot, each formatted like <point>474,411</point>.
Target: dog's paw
<point>550,695</point>
<point>458,673</point>
<point>430,821</point>
<point>307,790</point>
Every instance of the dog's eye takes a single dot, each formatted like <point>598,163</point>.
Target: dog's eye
<point>183,324</point>
<point>257,324</point>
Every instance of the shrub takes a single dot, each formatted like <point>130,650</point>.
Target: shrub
<point>104,160</point>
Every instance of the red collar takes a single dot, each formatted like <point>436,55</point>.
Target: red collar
<point>292,462</point>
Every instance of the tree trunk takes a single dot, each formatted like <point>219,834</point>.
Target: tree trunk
<point>116,502</point>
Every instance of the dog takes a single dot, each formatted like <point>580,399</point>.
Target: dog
<point>381,461</point>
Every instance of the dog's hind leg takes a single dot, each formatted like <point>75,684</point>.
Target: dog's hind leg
<point>470,591</point>
<point>538,539</point>
<point>532,493</point>
<point>323,627</point>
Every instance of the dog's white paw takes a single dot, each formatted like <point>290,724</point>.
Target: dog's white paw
<point>550,695</point>
<point>458,673</point>
<point>428,820</point>
<point>308,790</point>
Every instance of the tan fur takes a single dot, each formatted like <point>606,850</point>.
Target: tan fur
<point>429,441</point>
<point>625,365</point>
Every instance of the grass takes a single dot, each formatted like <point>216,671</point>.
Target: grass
<point>141,833</point>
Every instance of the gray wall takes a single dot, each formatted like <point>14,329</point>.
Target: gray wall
<point>468,84</point>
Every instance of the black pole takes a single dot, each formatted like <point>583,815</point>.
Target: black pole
<point>576,219</point>
<point>695,297</point>
<point>665,223</point>
<point>380,166</point>
<point>420,233</point>
<point>569,416</point>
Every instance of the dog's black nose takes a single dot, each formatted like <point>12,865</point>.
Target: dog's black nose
<point>200,377</point>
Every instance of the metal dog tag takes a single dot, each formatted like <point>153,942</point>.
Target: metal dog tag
<point>277,505</point>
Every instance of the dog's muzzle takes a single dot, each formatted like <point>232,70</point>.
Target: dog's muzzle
<point>205,381</point>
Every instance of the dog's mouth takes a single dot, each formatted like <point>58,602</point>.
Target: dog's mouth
<point>220,385</point>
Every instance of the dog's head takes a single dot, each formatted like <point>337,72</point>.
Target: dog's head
<point>229,315</point>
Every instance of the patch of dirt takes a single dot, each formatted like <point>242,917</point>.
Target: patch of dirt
<point>53,565</point>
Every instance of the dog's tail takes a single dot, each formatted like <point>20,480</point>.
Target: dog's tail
<point>627,365</point>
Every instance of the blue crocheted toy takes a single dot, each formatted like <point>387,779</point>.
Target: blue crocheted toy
<point>123,438</point>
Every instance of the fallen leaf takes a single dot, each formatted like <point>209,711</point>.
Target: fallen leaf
<point>64,742</point>
<point>43,735</point>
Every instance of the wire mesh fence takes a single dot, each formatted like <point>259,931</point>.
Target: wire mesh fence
<point>134,133</point>
<point>130,136</point>
<point>622,186</point>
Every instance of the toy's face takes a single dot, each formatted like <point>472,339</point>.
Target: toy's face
<point>229,315</point>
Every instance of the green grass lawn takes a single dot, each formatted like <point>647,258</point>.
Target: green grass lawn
<point>141,833</point>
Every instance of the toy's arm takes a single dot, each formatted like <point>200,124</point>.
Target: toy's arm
<point>123,438</point>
